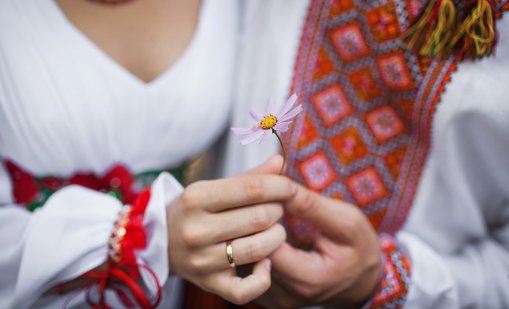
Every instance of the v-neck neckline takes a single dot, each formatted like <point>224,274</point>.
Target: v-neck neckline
<point>81,38</point>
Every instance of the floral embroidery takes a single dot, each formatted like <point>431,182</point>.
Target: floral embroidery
<point>118,181</point>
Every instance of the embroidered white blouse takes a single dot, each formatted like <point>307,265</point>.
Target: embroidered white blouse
<point>66,107</point>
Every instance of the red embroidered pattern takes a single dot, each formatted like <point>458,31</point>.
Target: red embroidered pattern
<point>368,103</point>
<point>33,192</point>
<point>118,182</point>
<point>395,282</point>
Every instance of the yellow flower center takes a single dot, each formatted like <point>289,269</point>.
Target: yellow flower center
<point>268,122</point>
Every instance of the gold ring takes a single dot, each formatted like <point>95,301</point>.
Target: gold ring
<point>229,253</point>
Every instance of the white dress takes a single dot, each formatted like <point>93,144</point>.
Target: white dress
<point>67,107</point>
<point>457,231</point>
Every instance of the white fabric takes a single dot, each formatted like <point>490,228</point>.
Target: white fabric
<point>457,232</point>
<point>461,211</point>
<point>64,98</point>
<point>269,39</point>
<point>67,107</point>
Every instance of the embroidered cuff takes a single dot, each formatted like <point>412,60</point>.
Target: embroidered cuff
<point>395,282</point>
<point>122,274</point>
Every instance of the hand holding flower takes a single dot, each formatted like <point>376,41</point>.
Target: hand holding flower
<point>208,214</point>
<point>343,269</point>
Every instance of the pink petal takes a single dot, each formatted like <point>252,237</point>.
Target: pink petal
<point>271,106</point>
<point>265,133</point>
<point>285,123</point>
<point>289,104</point>
<point>282,127</point>
<point>291,113</point>
<point>254,114</point>
<point>252,137</point>
<point>242,131</point>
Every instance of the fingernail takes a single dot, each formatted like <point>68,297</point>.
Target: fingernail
<point>268,264</point>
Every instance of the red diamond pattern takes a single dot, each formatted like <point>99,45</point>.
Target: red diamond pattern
<point>349,42</point>
<point>366,186</point>
<point>317,171</point>
<point>394,71</point>
<point>385,123</point>
<point>332,104</point>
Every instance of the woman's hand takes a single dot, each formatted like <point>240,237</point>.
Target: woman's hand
<point>244,209</point>
<point>343,269</point>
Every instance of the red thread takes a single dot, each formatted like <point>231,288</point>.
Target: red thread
<point>116,279</point>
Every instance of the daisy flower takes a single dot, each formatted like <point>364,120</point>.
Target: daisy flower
<point>271,122</point>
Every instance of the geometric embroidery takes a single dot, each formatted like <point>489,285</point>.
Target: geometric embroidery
<point>331,104</point>
<point>366,186</point>
<point>364,83</point>
<point>317,171</point>
<point>384,123</point>
<point>393,288</point>
<point>349,146</point>
<point>368,104</point>
<point>349,41</point>
<point>383,22</point>
<point>394,71</point>
<point>307,134</point>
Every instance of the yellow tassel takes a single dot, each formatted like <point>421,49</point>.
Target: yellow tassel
<point>480,27</point>
<point>430,35</point>
<point>415,33</point>
<point>442,31</point>
<point>440,38</point>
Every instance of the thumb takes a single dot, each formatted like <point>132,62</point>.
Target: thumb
<point>271,166</point>
<point>333,217</point>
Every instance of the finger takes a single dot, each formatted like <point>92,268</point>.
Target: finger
<point>294,266</point>
<point>258,246</point>
<point>242,221</point>
<point>243,290</point>
<point>333,217</point>
<point>222,194</point>
<point>271,166</point>
<point>245,250</point>
<point>278,297</point>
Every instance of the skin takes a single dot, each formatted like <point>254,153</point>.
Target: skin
<point>343,269</point>
<point>245,209</point>
<point>145,37</point>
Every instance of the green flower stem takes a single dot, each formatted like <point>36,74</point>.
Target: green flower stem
<point>283,150</point>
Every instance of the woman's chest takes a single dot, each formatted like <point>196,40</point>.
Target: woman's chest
<point>144,37</point>
<point>64,105</point>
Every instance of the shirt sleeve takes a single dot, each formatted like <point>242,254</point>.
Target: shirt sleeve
<point>457,233</point>
<point>69,236</point>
